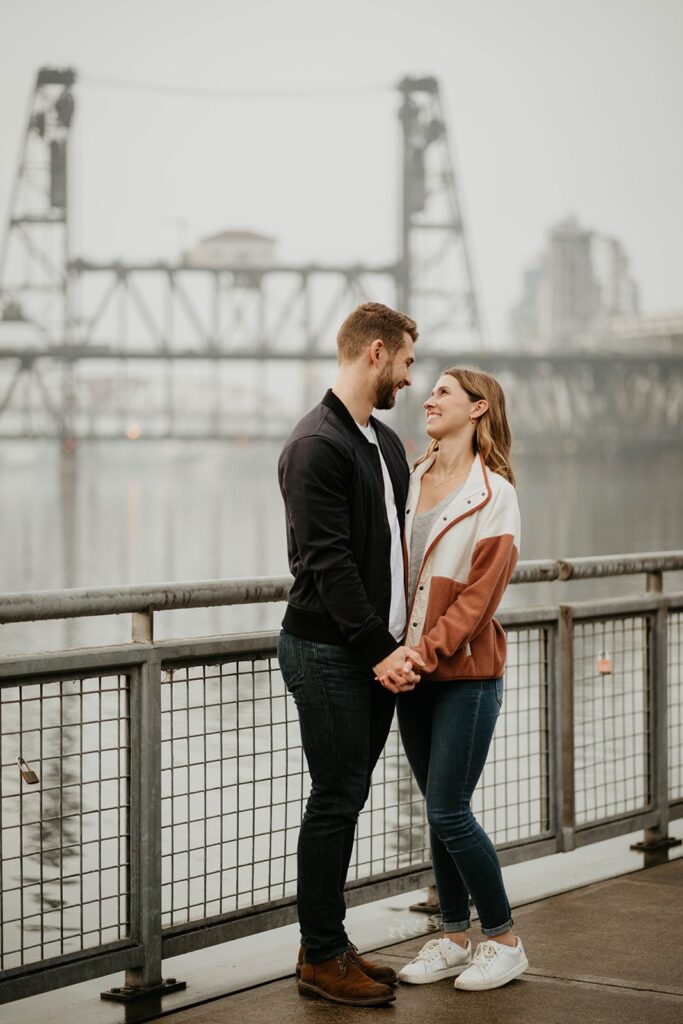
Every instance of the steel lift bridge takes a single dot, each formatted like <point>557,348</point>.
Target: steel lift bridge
<point>158,350</point>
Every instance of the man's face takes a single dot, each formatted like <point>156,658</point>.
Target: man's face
<point>394,375</point>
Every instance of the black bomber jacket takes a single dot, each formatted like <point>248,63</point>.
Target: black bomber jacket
<point>338,536</point>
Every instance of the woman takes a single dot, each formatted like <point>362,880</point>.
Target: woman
<point>462,533</point>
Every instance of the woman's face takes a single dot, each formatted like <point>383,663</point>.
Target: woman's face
<point>448,408</point>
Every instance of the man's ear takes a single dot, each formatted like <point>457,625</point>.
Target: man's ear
<point>375,350</point>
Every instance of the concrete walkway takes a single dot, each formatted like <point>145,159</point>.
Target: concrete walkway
<point>610,953</point>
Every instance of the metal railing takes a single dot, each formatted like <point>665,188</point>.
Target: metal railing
<point>171,780</point>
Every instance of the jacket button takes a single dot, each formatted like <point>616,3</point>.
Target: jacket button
<point>420,587</point>
<point>407,511</point>
<point>415,623</point>
<point>445,518</point>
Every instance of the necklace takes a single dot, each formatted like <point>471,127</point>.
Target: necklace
<point>445,480</point>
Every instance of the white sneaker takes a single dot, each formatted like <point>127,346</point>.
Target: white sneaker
<point>438,958</point>
<point>493,965</point>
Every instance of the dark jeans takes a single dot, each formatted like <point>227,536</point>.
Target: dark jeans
<point>446,728</point>
<point>345,718</point>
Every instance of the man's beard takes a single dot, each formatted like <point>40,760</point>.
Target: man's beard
<point>385,397</point>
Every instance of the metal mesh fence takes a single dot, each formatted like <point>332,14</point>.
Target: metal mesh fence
<point>392,828</point>
<point>232,788</point>
<point>675,705</point>
<point>234,784</point>
<point>64,852</point>
<point>512,799</point>
<point>611,742</point>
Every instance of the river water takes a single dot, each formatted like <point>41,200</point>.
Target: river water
<point>130,512</point>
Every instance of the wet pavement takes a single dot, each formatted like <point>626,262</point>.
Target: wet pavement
<point>608,953</point>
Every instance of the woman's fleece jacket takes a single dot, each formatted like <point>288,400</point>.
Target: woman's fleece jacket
<point>470,555</point>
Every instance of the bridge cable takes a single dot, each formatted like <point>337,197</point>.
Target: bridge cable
<point>231,94</point>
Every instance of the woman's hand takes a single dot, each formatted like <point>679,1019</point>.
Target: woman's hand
<point>396,672</point>
<point>395,687</point>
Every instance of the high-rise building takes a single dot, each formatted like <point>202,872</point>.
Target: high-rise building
<point>580,281</point>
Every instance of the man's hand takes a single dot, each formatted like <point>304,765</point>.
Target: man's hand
<point>397,672</point>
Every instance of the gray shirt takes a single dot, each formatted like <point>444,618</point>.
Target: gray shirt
<point>422,525</point>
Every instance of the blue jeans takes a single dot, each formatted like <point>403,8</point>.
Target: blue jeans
<point>345,717</point>
<point>446,728</point>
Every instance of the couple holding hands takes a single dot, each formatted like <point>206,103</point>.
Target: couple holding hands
<point>397,576</point>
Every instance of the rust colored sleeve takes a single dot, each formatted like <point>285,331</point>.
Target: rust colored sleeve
<point>493,563</point>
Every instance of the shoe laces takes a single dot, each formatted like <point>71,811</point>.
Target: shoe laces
<point>344,959</point>
<point>430,951</point>
<point>485,954</point>
<point>352,953</point>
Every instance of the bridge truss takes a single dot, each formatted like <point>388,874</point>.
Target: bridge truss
<point>114,350</point>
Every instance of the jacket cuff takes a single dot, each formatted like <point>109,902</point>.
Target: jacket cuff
<point>429,658</point>
<point>375,645</point>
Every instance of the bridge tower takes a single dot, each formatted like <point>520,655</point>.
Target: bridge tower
<point>35,287</point>
<point>434,275</point>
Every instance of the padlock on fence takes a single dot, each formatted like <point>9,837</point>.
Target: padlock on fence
<point>27,773</point>
<point>605,664</point>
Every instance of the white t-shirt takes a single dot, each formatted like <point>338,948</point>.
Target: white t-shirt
<point>398,611</point>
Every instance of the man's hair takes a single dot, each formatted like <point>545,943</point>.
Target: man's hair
<point>370,321</point>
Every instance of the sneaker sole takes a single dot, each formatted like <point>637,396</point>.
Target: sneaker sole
<point>311,992</point>
<point>450,972</point>
<point>484,986</point>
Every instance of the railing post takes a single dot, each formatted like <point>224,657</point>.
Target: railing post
<point>656,840</point>
<point>654,582</point>
<point>145,835</point>
<point>564,731</point>
<point>548,747</point>
<point>143,627</point>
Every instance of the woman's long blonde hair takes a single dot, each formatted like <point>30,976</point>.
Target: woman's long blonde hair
<point>492,432</point>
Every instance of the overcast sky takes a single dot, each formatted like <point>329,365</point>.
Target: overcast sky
<point>553,107</point>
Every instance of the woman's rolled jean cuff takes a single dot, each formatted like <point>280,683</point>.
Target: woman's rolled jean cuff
<point>500,930</point>
<point>455,926</point>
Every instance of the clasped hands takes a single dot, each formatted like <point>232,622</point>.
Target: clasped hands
<point>397,672</point>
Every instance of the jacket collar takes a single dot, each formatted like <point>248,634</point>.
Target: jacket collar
<point>475,493</point>
<point>331,401</point>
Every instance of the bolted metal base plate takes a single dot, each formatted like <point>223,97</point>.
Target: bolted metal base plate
<point>129,994</point>
<point>425,908</point>
<point>665,843</point>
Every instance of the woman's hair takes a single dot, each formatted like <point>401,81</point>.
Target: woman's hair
<point>492,433</point>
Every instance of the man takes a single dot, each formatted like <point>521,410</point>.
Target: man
<point>344,480</point>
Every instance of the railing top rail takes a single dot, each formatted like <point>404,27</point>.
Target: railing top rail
<point>79,603</point>
<point>69,604</point>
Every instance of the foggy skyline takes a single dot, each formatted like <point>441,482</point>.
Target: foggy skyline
<point>551,109</point>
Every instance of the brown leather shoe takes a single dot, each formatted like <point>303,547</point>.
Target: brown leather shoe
<point>378,972</point>
<point>340,980</point>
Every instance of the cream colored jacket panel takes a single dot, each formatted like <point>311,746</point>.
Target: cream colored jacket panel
<point>469,558</point>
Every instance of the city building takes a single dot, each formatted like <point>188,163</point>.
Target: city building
<point>580,282</point>
<point>233,249</point>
